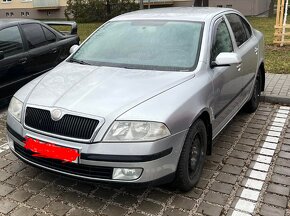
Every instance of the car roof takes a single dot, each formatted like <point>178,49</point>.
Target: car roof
<point>175,13</point>
<point>10,22</point>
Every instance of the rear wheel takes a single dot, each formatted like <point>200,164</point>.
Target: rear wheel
<point>252,105</point>
<point>192,157</point>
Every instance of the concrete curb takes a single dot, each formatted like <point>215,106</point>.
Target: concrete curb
<point>276,99</point>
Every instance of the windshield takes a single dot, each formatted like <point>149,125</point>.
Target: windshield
<point>155,45</point>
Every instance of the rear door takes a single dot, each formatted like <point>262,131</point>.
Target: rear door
<point>42,54</point>
<point>247,48</point>
<point>13,68</point>
<point>53,45</point>
<point>63,43</point>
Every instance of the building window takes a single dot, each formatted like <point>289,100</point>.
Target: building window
<point>7,14</point>
<point>22,13</point>
<point>48,13</point>
<point>6,1</point>
<point>11,14</point>
<point>27,14</point>
<point>229,6</point>
<point>219,6</point>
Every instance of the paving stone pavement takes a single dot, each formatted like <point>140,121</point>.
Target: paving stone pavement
<point>277,88</point>
<point>247,174</point>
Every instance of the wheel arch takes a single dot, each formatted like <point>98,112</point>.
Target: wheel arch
<point>205,116</point>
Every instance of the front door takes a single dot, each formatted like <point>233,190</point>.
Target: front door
<point>13,66</point>
<point>226,79</point>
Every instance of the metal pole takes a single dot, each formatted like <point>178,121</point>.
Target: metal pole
<point>284,23</point>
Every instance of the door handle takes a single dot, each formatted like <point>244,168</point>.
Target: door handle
<point>256,50</point>
<point>54,50</point>
<point>239,67</point>
<point>22,61</point>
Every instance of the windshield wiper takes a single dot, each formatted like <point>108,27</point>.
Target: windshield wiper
<point>79,61</point>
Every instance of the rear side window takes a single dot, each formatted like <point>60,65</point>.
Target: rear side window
<point>222,40</point>
<point>238,28</point>
<point>10,41</point>
<point>49,35</point>
<point>34,35</point>
<point>247,27</point>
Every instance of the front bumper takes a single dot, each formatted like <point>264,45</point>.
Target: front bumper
<point>158,159</point>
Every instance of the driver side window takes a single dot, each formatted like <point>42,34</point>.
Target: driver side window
<point>222,41</point>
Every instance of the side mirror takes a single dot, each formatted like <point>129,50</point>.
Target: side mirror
<point>1,55</point>
<point>226,59</point>
<point>73,49</point>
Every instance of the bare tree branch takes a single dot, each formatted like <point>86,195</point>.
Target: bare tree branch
<point>141,4</point>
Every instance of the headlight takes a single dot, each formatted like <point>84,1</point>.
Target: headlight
<point>15,108</point>
<point>135,131</point>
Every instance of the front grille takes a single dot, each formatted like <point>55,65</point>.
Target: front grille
<point>68,125</point>
<point>77,169</point>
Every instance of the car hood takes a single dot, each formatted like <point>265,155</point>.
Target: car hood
<point>101,91</point>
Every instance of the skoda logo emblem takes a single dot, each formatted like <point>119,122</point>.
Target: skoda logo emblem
<point>56,114</point>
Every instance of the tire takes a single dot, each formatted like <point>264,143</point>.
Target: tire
<point>192,157</point>
<point>252,105</point>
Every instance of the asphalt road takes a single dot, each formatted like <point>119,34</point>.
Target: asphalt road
<point>247,174</point>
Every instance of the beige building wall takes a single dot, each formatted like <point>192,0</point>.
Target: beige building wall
<point>16,4</point>
<point>31,9</point>
<point>246,7</point>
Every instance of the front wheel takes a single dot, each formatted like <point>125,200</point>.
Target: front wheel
<point>252,105</point>
<point>192,157</point>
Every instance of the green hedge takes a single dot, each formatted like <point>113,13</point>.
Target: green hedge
<point>98,10</point>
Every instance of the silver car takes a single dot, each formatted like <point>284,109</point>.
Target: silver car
<point>141,100</point>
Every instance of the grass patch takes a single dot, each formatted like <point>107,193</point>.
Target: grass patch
<point>85,29</point>
<point>277,58</point>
